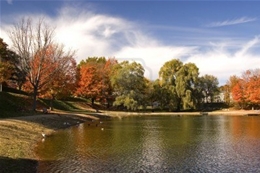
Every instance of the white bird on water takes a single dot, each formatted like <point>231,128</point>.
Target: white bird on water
<point>43,135</point>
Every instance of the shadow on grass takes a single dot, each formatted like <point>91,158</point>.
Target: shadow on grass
<point>59,104</point>
<point>9,165</point>
<point>13,104</point>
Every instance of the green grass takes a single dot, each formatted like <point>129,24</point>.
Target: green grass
<point>12,104</point>
<point>60,104</point>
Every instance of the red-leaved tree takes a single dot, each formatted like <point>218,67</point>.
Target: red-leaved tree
<point>94,80</point>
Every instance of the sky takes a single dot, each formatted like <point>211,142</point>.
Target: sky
<point>221,37</point>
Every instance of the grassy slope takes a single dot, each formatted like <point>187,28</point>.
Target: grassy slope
<point>13,105</point>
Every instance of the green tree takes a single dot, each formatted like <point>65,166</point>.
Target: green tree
<point>100,61</point>
<point>225,89</point>
<point>209,86</point>
<point>180,81</point>
<point>6,68</point>
<point>186,86</point>
<point>10,64</point>
<point>5,72</point>
<point>129,84</point>
<point>164,96</point>
<point>147,100</point>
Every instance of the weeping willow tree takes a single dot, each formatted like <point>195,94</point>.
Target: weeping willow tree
<point>180,80</point>
<point>129,85</point>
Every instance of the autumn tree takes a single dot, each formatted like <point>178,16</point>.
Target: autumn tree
<point>237,88</point>
<point>94,79</point>
<point>108,90</point>
<point>245,90</point>
<point>63,82</point>
<point>129,84</point>
<point>252,78</point>
<point>54,78</point>
<point>33,42</point>
<point>238,93</point>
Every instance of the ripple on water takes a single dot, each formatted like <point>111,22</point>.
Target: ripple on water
<point>156,144</point>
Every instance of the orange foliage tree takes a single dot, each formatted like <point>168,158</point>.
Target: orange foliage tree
<point>238,93</point>
<point>63,82</point>
<point>252,78</point>
<point>245,90</point>
<point>50,71</point>
<point>94,81</point>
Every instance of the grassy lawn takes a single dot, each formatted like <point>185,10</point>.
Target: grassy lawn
<point>15,105</point>
<point>12,105</point>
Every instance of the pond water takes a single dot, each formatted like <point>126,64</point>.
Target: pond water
<point>156,144</point>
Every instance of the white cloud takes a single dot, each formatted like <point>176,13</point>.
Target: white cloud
<point>9,1</point>
<point>93,34</point>
<point>245,49</point>
<point>222,63</point>
<point>232,22</point>
<point>4,34</point>
<point>152,57</point>
<point>101,35</point>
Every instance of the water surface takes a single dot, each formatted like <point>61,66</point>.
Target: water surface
<point>156,144</point>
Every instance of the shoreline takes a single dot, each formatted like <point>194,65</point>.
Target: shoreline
<point>116,114</point>
<point>20,135</point>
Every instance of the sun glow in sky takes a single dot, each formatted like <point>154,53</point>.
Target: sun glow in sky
<point>221,38</point>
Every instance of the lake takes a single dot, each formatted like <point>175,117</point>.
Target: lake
<point>155,144</point>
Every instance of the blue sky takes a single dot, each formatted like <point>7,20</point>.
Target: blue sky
<point>221,38</point>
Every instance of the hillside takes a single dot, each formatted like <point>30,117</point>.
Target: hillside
<point>14,104</point>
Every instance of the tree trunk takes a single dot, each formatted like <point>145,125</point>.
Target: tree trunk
<point>34,98</point>
<point>92,101</point>
<point>178,104</point>
<point>20,86</point>
<point>51,103</point>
